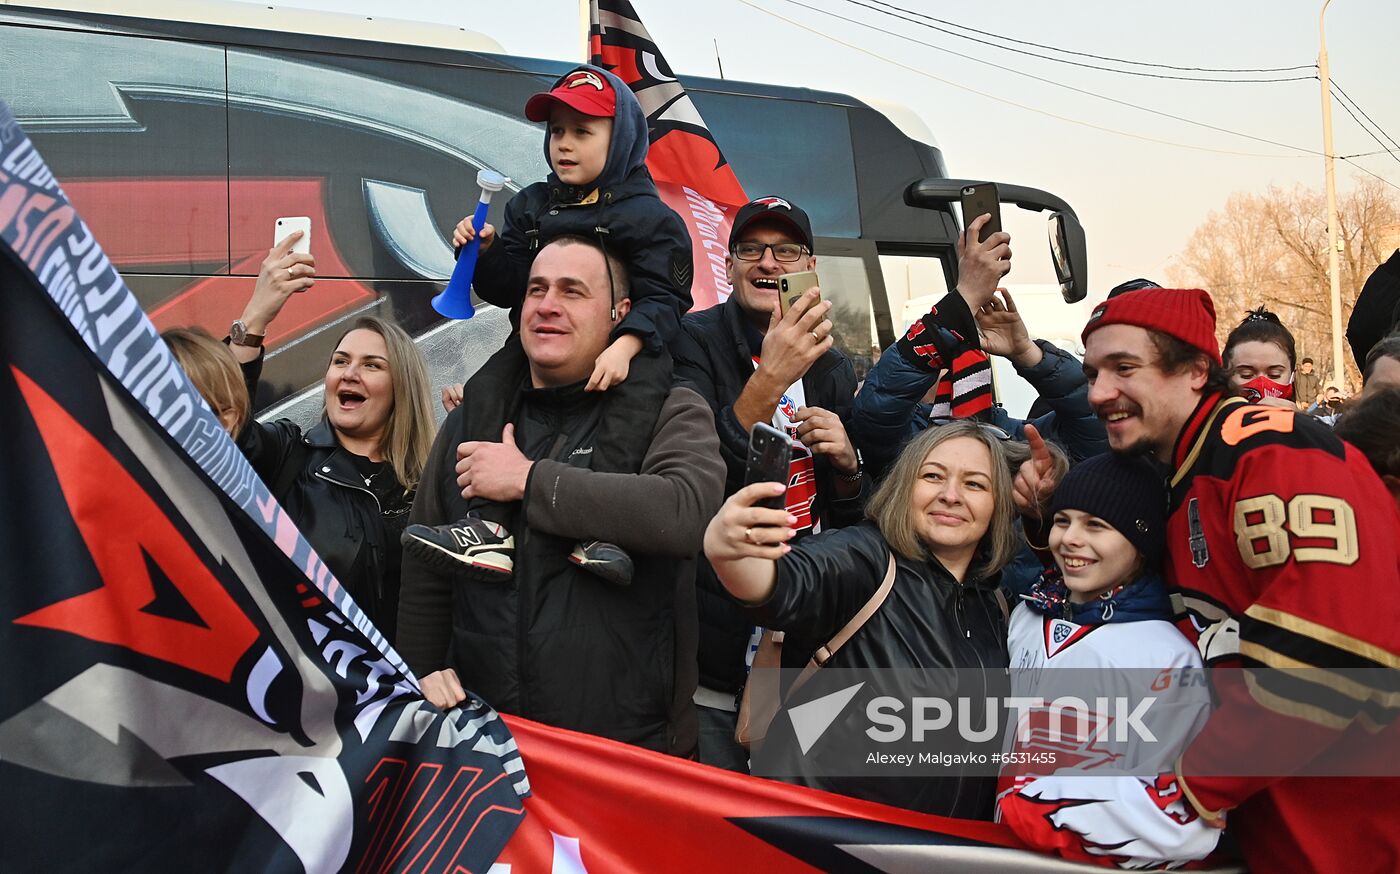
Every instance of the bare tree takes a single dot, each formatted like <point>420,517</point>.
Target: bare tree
<point>1270,249</point>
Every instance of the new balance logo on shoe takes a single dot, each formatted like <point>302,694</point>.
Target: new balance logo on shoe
<point>474,547</point>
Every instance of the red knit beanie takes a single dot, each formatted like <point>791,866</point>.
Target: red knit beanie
<point>1184,313</point>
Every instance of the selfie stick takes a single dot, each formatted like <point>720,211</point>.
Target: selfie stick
<point>455,302</point>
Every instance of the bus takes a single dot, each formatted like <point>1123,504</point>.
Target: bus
<point>181,136</point>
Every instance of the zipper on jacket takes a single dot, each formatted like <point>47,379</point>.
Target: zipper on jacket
<point>378,508</point>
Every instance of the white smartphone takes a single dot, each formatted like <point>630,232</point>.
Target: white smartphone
<point>289,224</point>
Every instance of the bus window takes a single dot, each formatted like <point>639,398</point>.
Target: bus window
<point>850,279</point>
<point>913,283</point>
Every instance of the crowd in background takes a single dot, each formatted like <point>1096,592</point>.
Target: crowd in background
<point>580,542</point>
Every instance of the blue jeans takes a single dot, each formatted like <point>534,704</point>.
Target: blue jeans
<point>717,746</point>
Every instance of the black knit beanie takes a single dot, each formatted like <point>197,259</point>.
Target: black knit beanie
<point>1124,492</point>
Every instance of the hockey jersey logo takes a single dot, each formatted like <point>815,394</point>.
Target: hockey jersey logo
<point>1060,634</point>
<point>1200,554</point>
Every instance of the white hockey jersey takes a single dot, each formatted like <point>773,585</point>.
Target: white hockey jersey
<point>1087,773</point>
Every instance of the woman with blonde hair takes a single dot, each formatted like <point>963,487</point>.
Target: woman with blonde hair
<point>214,372</point>
<point>941,527</point>
<point>349,481</point>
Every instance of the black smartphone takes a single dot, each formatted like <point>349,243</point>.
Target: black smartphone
<point>982,199</point>
<point>770,456</point>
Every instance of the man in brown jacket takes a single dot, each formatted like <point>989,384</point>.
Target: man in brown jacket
<point>555,643</point>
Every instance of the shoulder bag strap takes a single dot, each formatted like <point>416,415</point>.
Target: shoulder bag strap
<point>824,654</point>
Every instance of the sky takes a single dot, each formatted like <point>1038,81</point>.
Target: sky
<point>1140,183</point>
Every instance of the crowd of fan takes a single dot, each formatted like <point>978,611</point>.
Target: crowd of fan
<point>578,544</point>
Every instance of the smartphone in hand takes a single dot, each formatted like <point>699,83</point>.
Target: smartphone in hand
<point>286,226</point>
<point>770,456</point>
<point>982,199</point>
<point>791,286</point>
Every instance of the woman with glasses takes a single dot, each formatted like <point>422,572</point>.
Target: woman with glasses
<point>943,522</point>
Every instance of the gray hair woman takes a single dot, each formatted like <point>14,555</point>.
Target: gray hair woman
<point>945,514</point>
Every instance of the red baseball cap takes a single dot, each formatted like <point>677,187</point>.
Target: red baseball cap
<point>583,90</point>
<point>1188,314</point>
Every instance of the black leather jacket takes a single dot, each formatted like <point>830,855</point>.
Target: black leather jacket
<point>354,530</point>
<point>928,621</point>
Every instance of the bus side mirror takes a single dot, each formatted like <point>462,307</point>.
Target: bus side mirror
<point>1068,252</point>
<point>1067,246</point>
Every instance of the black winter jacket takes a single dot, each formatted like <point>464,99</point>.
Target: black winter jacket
<point>929,621</point>
<point>627,215</point>
<point>555,643</point>
<point>353,530</point>
<point>712,356</point>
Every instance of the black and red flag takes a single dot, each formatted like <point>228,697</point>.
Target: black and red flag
<point>691,173</point>
<point>187,687</point>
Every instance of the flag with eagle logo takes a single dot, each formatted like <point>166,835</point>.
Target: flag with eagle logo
<point>690,171</point>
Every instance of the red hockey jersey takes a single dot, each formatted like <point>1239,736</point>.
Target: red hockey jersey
<point>1283,542</point>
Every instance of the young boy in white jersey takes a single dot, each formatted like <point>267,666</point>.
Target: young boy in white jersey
<point>1098,627</point>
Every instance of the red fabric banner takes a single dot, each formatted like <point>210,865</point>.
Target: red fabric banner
<point>602,806</point>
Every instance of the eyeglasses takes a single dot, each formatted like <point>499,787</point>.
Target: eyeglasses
<point>786,252</point>
<point>993,430</point>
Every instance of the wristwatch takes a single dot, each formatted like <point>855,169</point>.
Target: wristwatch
<point>860,470</point>
<point>238,333</point>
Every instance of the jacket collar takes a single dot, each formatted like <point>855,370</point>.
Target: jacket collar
<point>322,435</point>
<point>1142,599</point>
<point>1198,428</point>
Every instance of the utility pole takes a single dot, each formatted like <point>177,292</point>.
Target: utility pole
<point>1329,156</point>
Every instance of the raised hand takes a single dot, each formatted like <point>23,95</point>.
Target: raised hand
<point>1004,331</point>
<point>283,273</point>
<point>1036,480</point>
<point>797,338</point>
<point>741,530</point>
<point>981,265</point>
<point>464,233</point>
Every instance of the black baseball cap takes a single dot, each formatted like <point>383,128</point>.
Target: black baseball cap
<point>773,209</point>
<point>1132,285</point>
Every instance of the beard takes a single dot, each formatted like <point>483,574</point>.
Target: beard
<point>1140,448</point>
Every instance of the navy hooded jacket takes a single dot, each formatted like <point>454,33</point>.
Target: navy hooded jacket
<point>627,216</point>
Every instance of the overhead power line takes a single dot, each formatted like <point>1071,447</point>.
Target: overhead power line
<point>1101,57</point>
<point>1366,154</point>
<point>1032,76</point>
<point>1362,125</point>
<point>895,12</point>
<point>1347,97</point>
<point>1037,110</point>
<point>1369,173</point>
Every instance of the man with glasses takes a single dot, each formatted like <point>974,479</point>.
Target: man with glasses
<point>754,363</point>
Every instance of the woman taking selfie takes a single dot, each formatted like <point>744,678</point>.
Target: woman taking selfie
<point>944,515</point>
<point>348,482</point>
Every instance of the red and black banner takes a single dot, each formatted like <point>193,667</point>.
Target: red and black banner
<point>187,686</point>
<point>691,173</point>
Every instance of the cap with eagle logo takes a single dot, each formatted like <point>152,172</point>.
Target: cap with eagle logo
<point>582,90</point>
<point>773,209</point>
